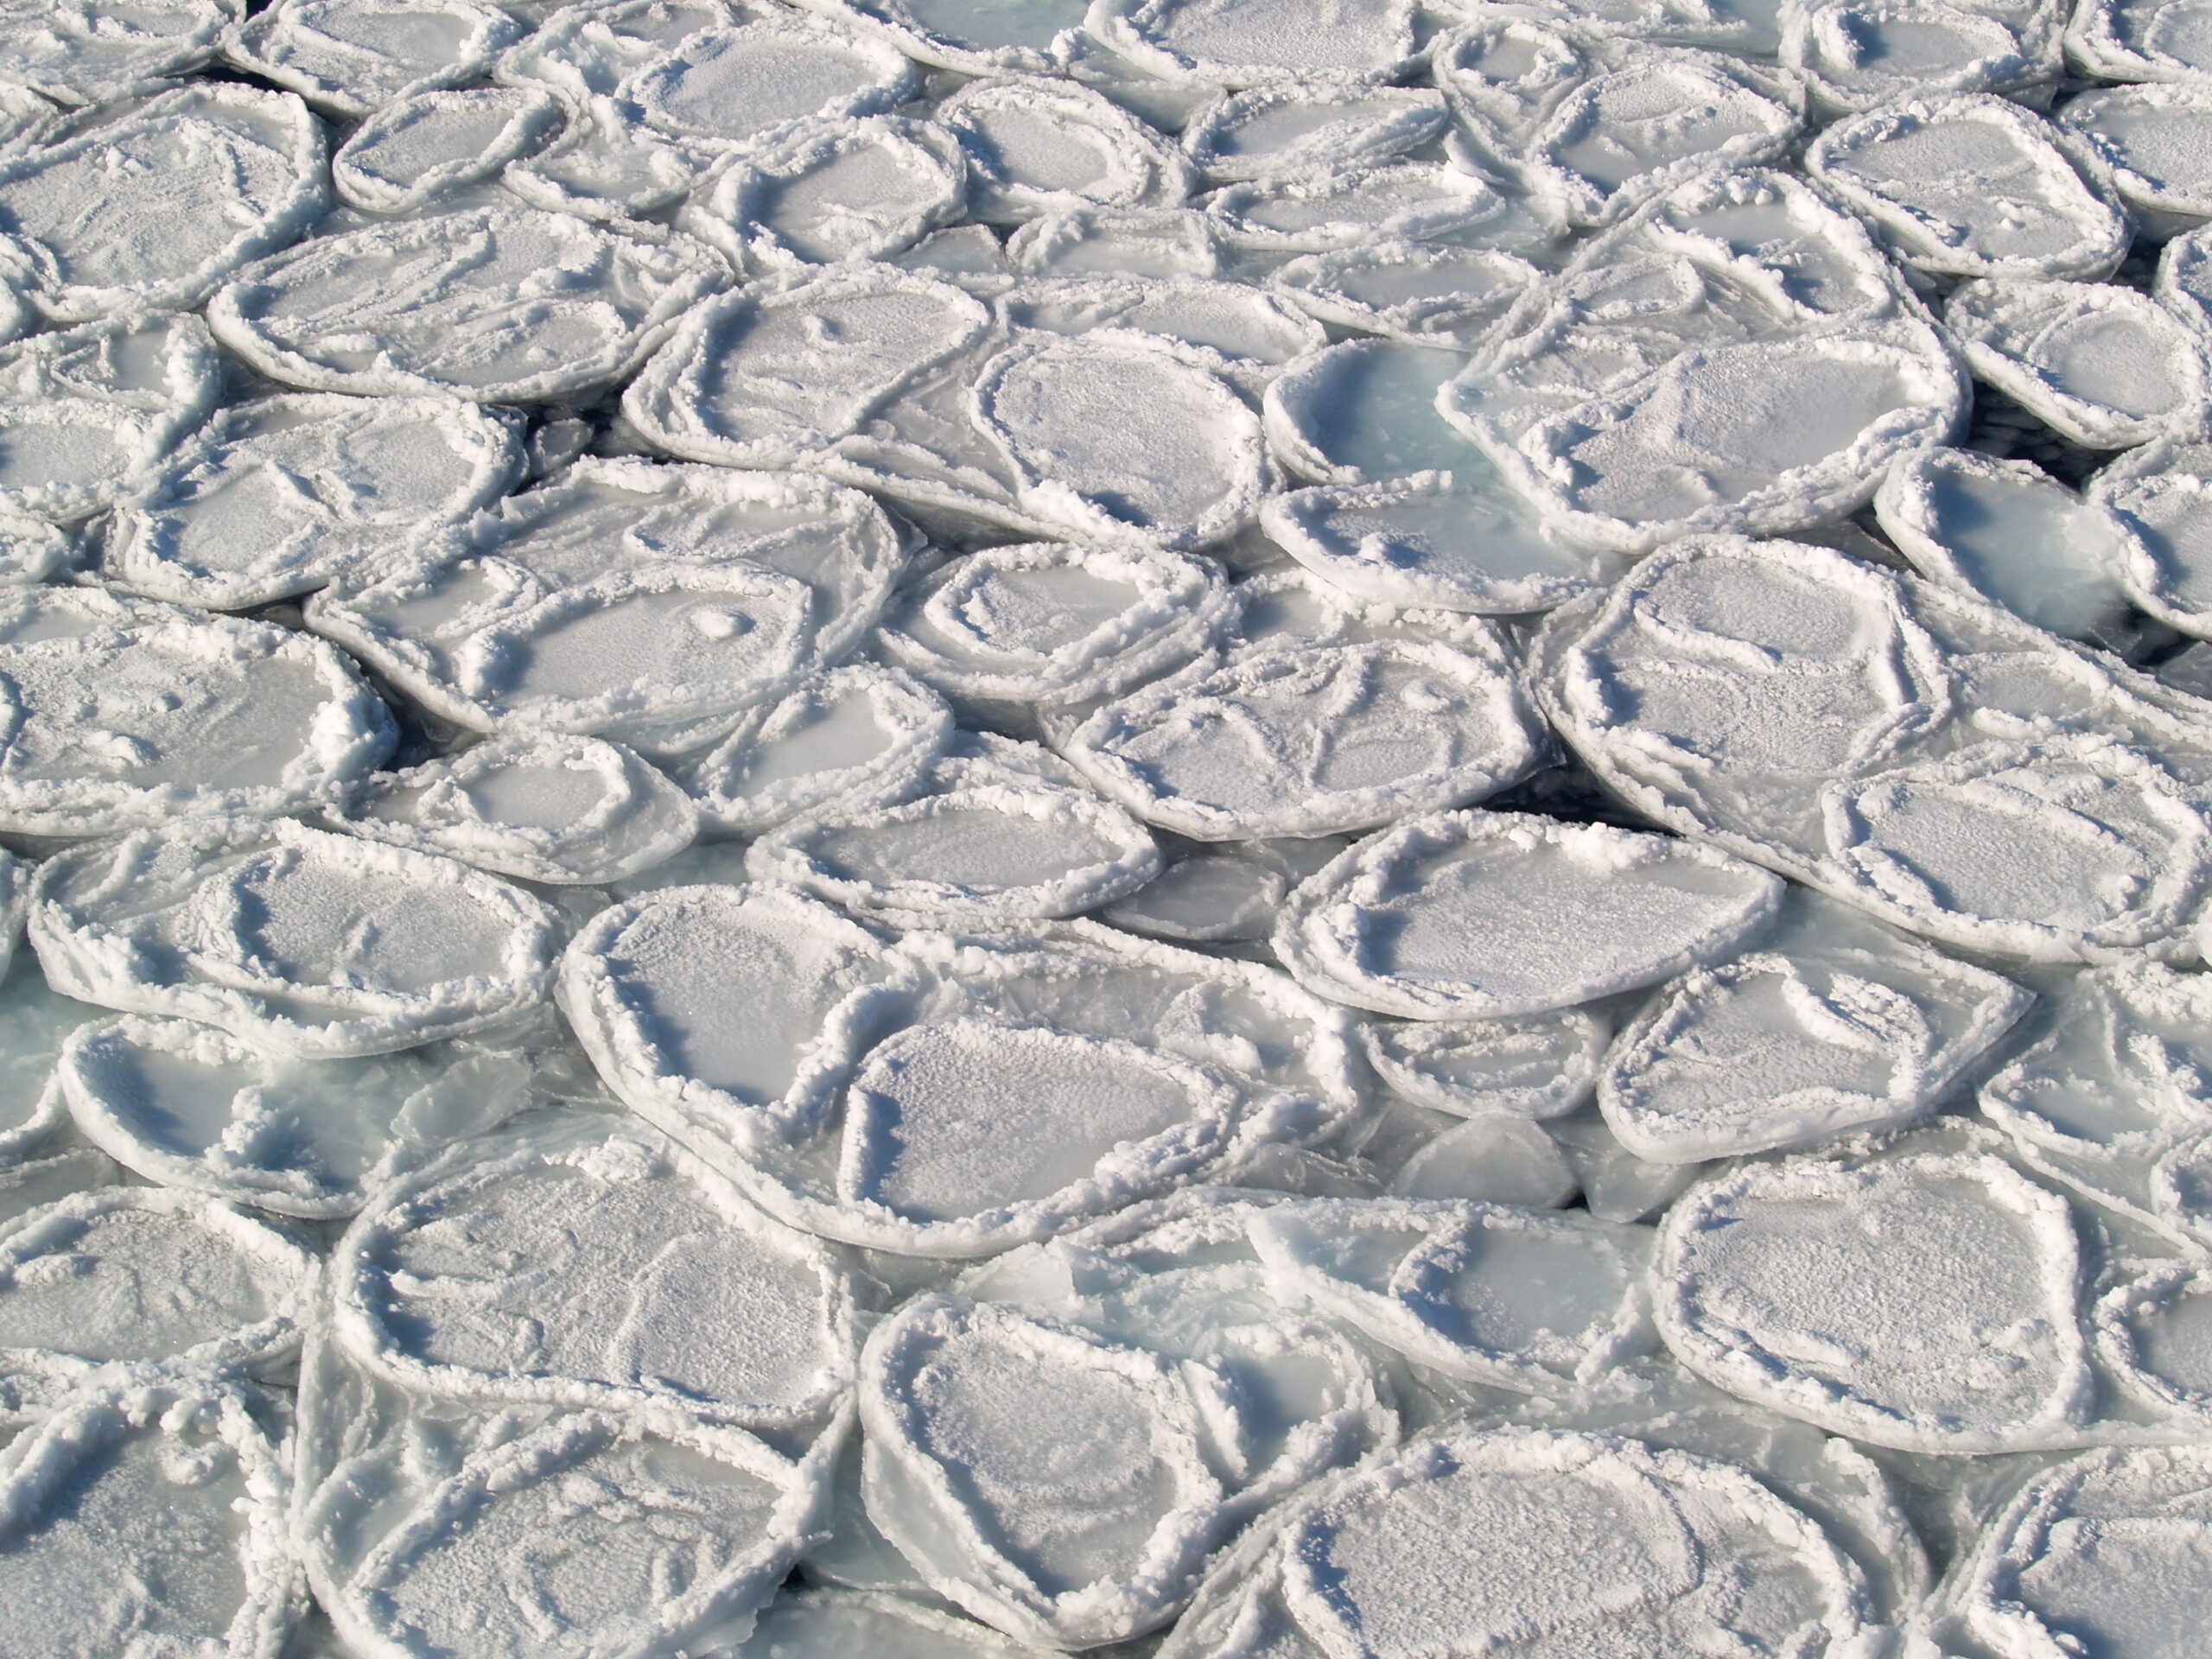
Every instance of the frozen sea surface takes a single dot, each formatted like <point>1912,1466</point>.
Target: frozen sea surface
<point>1184,829</point>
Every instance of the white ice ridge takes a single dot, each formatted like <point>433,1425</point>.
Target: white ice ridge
<point>1183,828</point>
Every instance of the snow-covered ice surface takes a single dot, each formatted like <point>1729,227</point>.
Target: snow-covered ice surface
<point>1191,828</point>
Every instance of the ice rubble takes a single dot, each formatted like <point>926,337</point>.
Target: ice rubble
<point>1337,829</point>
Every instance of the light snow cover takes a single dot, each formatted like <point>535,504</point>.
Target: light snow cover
<point>1184,829</point>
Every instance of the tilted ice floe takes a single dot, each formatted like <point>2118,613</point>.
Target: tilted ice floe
<point>1923,1300</point>
<point>32,1031</point>
<point>430,305</point>
<point>94,53</point>
<point>564,811</point>
<point>445,1283</point>
<point>1868,734</point>
<point>1315,715</point>
<point>274,498</point>
<point>2112,1099</point>
<point>1446,1285</point>
<point>432,1525</point>
<point>980,840</point>
<point>625,600</point>
<point>1833,1023</point>
<point>856,733</point>
<point>2105,366</point>
<point>2007,531</point>
<point>1585,1539</point>
<point>192,1107</point>
<point>1482,915</point>
<point>300,942</point>
<point>1535,1066</point>
<point>418,149</point>
<point>1238,978</point>
<point>1035,145</point>
<point>154,1515</point>
<point>2158,141</point>
<point>2137,40</point>
<point>1280,129</point>
<point>856,1102</point>
<point>89,413</point>
<point>1975,185</point>
<point>2107,1547</point>
<point>123,713</point>
<point>862,190</point>
<point>155,206</point>
<point>1855,54</point>
<point>1100,1528</point>
<point>349,56</point>
<point>129,1285</point>
<point>1431,541</point>
<point>2159,492</point>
